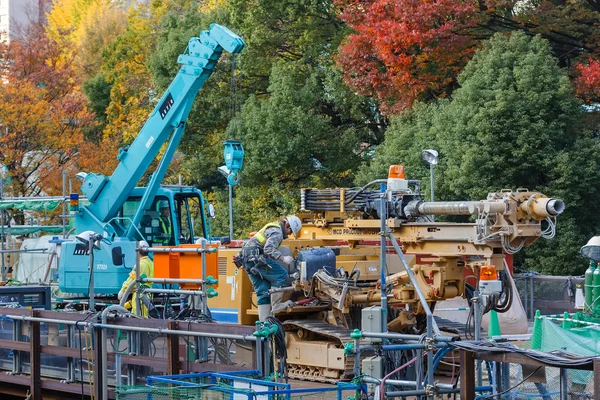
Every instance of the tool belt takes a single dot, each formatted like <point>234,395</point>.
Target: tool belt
<point>251,258</point>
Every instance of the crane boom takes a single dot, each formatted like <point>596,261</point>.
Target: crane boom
<point>107,194</point>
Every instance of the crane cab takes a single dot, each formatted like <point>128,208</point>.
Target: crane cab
<point>176,216</point>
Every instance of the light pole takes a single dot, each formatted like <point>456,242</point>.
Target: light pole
<point>225,172</point>
<point>430,157</point>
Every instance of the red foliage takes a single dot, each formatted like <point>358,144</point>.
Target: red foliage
<point>587,82</point>
<point>406,49</point>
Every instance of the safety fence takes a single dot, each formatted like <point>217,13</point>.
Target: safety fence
<point>234,385</point>
<point>61,352</point>
<point>549,294</point>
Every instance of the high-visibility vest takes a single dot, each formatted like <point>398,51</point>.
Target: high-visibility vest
<point>166,228</point>
<point>260,235</point>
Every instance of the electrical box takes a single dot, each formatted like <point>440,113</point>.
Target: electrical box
<point>373,367</point>
<point>26,296</point>
<point>371,321</point>
<point>492,287</point>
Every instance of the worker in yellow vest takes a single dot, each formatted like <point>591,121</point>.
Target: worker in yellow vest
<point>165,225</point>
<point>147,271</point>
<point>259,258</point>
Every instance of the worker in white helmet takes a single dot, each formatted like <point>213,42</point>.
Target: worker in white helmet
<point>146,271</point>
<point>259,258</point>
<point>165,226</point>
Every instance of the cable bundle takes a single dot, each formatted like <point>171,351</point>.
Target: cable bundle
<point>279,344</point>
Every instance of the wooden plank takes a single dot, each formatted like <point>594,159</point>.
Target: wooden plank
<point>467,375</point>
<point>35,384</point>
<point>14,345</point>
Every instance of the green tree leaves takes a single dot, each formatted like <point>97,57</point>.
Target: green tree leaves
<point>513,123</point>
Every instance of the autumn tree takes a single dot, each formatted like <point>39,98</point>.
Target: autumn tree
<point>406,50</point>
<point>46,126</point>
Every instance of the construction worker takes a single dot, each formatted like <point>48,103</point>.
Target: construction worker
<point>259,258</point>
<point>147,271</point>
<point>165,227</point>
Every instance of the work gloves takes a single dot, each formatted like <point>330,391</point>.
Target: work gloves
<point>289,260</point>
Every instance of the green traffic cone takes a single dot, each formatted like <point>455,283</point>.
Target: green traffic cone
<point>566,324</point>
<point>536,336</point>
<point>494,325</point>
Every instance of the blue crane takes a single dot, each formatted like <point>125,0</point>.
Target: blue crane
<point>124,213</point>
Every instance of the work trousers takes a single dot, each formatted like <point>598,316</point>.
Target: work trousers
<point>264,277</point>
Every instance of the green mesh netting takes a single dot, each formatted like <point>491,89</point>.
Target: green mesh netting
<point>580,341</point>
<point>30,205</point>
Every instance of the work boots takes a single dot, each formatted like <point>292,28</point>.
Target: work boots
<point>276,303</point>
<point>264,311</point>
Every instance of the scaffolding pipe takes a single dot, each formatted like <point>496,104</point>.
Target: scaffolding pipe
<point>412,346</point>
<point>403,336</point>
<point>22,250</point>
<point>165,281</point>
<point>165,331</point>
<point>176,291</point>
<point>104,356</point>
<point>177,250</point>
<point>161,331</point>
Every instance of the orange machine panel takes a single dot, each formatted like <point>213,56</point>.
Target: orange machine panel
<point>186,265</point>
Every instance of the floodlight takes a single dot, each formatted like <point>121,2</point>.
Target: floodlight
<point>85,237</point>
<point>224,171</point>
<point>430,156</point>
<point>592,249</point>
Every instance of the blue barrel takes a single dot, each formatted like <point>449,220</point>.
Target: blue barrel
<point>317,258</point>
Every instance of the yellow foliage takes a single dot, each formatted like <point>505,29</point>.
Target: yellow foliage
<point>84,28</point>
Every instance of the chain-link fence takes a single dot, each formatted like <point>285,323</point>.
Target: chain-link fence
<point>549,294</point>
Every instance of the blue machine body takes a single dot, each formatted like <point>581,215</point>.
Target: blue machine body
<point>124,213</point>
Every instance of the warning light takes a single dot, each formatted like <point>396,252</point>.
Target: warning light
<point>488,273</point>
<point>396,172</point>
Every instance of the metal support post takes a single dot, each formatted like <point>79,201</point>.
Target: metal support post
<point>35,351</point>
<point>3,270</point>
<point>203,342</point>
<point>477,334</point>
<point>430,371</point>
<point>92,294</point>
<point>383,256</point>
<point>505,371</point>
<point>130,367</point>
<point>356,357</point>
<point>138,286</point>
<point>64,204</point>
<point>419,369</point>
<point>100,381</point>
<point>17,354</point>
<point>531,309</point>
<point>71,360</point>
<point>564,384</point>
<point>230,212</point>
<point>259,357</point>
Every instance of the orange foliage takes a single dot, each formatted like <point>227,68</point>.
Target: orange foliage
<point>405,50</point>
<point>46,125</point>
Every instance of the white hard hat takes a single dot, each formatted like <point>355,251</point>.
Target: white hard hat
<point>294,223</point>
<point>142,243</point>
<point>163,204</point>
